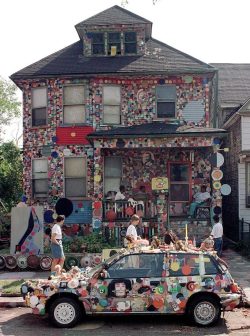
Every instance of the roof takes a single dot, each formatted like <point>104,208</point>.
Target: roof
<point>159,58</point>
<point>234,83</point>
<point>114,15</point>
<point>154,129</point>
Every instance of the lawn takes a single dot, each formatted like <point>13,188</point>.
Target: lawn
<point>10,287</point>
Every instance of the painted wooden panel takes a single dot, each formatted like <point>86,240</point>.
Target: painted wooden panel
<point>245,126</point>
<point>244,212</point>
<point>82,213</point>
<point>73,135</point>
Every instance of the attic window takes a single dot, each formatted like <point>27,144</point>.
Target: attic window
<point>114,40</point>
<point>130,43</point>
<point>98,44</point>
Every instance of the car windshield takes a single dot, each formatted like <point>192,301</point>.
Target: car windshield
<point>109,261</point>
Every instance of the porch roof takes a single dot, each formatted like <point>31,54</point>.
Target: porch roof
<point>155,130</point>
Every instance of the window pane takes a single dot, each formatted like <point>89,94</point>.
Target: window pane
<point>179,192</point>
<point>75,187</point>
<point>39,97</point>
<point>40,187</point>
<point>166,110</point>
<point>98,49</point>
<point>114,37</point>
<point>73,95</point>
<point>111,184</point>
<point>112,95</point>
<point>113,166</point>
<point>39,116</point>
<point>130,37</point>
<point>74,114</point>
<point>40,166</point>
<point>190,261</point>
<point>130,48</point>
<point>111,115</point>
<point>166,92</point>
<point>179,172</point>
<point>97,37</point>
<point>75,167</point>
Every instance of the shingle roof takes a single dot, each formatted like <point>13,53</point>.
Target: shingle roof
<point>234,83</point>
<point>154,129</point>
<point>113,15</point>
<point>159,58</point>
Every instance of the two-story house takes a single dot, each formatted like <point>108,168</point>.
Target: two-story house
<point>234,116</point>
<point>119,107</point>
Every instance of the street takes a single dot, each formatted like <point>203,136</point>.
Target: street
<point>20,322</point>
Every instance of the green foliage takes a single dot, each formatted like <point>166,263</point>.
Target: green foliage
<point>9,105</point>
<point>11,169</point>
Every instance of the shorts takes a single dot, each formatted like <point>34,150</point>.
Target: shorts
<point>57,250</point>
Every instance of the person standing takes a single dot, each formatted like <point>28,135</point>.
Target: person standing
<point>217,234</point>
<point>56,243</point>
<point>131,233</point>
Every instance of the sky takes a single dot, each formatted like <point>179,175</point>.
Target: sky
<point>214,31</point>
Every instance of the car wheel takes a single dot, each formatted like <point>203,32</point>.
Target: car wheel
<point>64,312</point>
<point>204,311</point>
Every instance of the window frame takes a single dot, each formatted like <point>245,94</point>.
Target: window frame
<point>34,195</point>
<point>40,107</point>
<point>107,177</point>
<point>165,100</point>
<point>109,44</point>
<point>68,178</point>
<point>72,105</point>
<point>130,43</point>
<point>188,182</point>
<point>98,43</point>
<point>119,105</point>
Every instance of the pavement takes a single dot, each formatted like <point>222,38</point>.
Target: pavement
<point>239,268</point>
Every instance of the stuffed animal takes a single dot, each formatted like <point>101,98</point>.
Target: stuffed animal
<point>207,244</point>
<point>179,246</point>
<point>155,243</point>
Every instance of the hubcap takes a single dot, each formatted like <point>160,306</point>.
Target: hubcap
<point>204,312</point>
<point>64,313</point>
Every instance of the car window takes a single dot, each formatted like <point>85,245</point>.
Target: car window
<point>210,266</point>
<point>137,265</point>
<point>183,264</point>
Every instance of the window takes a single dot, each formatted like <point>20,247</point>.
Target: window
<point>181,264</point>
<point>112,105</point>
<point>166,96</point>
<point>114,40</point>
<point>130,43</point>
<point>248,184</point>
<point>75,177</point>
<point>40,178</point>
<point>73,104</point>
<point>112,173</point>
<point>98,44</point>
<point>179,174</point>
<point>39,106</point>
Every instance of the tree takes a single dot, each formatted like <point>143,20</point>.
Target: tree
<point>11,170</point>
<point>9,105</point>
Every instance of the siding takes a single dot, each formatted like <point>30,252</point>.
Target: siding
<point>243,211</point>
<point>245,124</point>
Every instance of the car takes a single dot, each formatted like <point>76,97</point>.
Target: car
<point>147,281</point>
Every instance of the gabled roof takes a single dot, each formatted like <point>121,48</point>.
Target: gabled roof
<point>113,15</point>
<point>155,129</point>
<point>159,58</point>
<point>234,83</point>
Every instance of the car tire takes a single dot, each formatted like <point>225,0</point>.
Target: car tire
<point>204,311</point>
<point>65,312</point>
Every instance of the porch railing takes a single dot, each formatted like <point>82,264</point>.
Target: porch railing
<point>123,210</point>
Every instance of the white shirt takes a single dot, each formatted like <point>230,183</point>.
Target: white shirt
<point>217,231</point>
<point>131,231</point>
<point>57,230</point>
<point>201,196</point>
<point>119,196</point>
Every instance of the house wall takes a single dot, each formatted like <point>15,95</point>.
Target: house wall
<point>245,125</point>
<point>231,174</point>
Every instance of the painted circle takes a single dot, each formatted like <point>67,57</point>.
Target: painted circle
<point>226,189</point>
<point>175,266</point>
<point>217,210</point>
<point>48,216</point>
<point>191,286</point>
<point>220,159</point>
<point>71,261</point>
<point>2,262</point>
<point>22,262</point>
<point>11,262</point>
<point>111,215</point>
<point>85,261</point>
<point>216,185</point>
<point>45,263</point>
<point>217,175</point>
<point>64,206</point>
<point>33,261</point>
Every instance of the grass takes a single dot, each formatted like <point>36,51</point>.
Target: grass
<point>10,287</point>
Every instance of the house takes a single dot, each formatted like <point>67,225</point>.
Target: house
<point>234,116</point>
<point>119,107</point>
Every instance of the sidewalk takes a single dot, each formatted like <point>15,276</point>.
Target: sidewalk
<point>239,268</point>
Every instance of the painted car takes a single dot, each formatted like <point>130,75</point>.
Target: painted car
<point>147,282</point>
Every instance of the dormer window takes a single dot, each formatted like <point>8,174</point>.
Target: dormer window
<point>98,47</point>
<point>114,41</point>
<point>130,43</point>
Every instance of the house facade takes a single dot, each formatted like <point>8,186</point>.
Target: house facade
<point>234,116</point>
<point>119,107</point>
